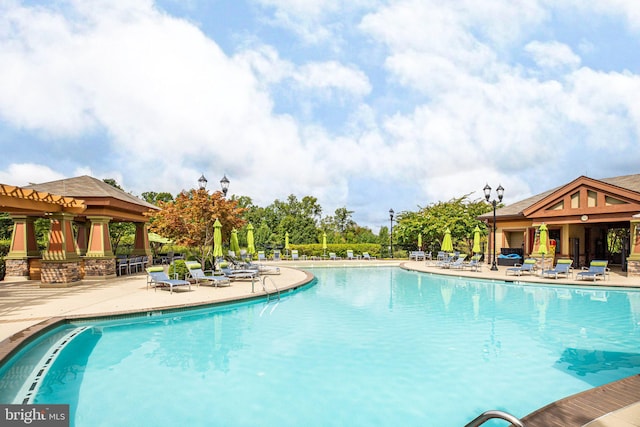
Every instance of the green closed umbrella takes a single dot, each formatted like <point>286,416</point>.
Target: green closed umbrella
<point>420,241</point>
<point>233,244</point>
<point>542,248</point>
<point>447,244</point>
<point>324,243</point>
<point>251,246</point>
<point>217,239</point>
<point>476,240</point>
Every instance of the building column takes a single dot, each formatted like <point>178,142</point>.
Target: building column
<point>99,260</point>
<point>633,261</point>
<point>141,243</point>
<point>23,248</point>
<point>82,239</point>
<point>60,262</point>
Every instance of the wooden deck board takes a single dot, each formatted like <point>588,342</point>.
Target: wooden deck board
<point>581,408</point>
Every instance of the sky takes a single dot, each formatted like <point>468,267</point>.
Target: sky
<point>363,104</point>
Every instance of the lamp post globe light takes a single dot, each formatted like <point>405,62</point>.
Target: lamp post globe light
<point>391,212</point>
<point>494,202</point>
<point>224,184</point>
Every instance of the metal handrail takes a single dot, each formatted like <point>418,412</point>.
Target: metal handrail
<point>486,416</point>
<point>264,287</point>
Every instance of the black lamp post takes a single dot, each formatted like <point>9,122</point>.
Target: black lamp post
<point>224,184</point>
<point>494,202</point>
<point>391,212</point>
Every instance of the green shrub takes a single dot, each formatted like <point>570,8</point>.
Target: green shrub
<point>179,267</point>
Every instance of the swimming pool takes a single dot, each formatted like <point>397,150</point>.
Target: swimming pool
<point>364,346</point>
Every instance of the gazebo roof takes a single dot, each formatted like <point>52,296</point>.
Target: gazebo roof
<point>100,198</point>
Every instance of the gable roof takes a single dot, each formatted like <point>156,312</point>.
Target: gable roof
<point>626,183</point>
<point>99,197</point>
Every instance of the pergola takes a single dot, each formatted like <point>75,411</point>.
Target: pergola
<point>80,210</point>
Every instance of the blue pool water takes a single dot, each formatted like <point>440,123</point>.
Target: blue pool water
<point>362,347</point>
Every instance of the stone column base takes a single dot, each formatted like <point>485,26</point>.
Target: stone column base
<point>16,270</point>
<point>60,273</point>
<point>633,268</point>
<point>99,268</point>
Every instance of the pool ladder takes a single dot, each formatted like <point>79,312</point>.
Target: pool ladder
<point>264,288</point>
<point>488,415</point>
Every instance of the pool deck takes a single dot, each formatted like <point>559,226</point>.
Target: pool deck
<point>27,309</point>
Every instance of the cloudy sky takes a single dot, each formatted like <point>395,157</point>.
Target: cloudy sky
<point>361,103</point>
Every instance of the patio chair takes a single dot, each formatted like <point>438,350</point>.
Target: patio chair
<point>122,265</point>
<point>200,276</point>
<point>365,255</point>
<point>528,266</point>
<point>473,264</point>
<point>350,254</point>
<point>136,264</point>
<point>458,263</point>
<point>240,274</point>
<point>333,256</point>
<point>562,268</point>
<point>157,277</point>
<point>261,256</point>
<point>597,269</point>
<point>276,255</point>
<point>294,255</point>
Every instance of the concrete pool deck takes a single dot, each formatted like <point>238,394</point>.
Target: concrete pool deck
<point>27,309</point>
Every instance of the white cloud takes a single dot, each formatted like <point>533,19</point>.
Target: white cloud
<point>552,54</point>
<point>21,174</point>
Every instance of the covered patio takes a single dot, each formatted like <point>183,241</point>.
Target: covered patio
<point>579,216</point>
<point>79,247</point>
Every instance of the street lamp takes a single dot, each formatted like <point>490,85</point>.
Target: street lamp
<point>391,212</point>
<point>224,183</point>
<point>494,202</point>
<point>202,182</point>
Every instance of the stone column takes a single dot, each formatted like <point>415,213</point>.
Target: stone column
<point>23,247</point>
<point>99,261</point>
<point>633,262</point>
<point>60,262</point>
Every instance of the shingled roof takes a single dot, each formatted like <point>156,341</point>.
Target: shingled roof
<point>87,187</point>
<point>628,182</point>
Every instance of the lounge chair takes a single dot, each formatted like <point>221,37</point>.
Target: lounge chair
<point>457,263</point>
<point>276,255</point>
<point>365,255</point>
<point>261,256</point>
<point>350,254</point>
<point>294,255</point>
<point>240,274</point>
<point>417,255</point>
<point>473,264</point>
<point>528,266</point>
<point>333,256</point>
<point>563,268</point>
<point>157,277</point>
<point>597,269</point>
<point>200,276</point>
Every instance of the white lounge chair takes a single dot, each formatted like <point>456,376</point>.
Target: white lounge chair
<point>201,277</point>
<point>157,277</point>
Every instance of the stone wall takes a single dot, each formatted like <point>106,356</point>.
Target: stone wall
<point>60,272</point>
<point>633,268</point>
<point>17,268</point>
<point>99,268</point>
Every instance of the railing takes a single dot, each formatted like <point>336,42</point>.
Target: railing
<point>488,415</point>
<point>264,287</point>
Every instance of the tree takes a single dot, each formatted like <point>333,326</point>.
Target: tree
<point>153,197</point>
<point>188,220</point>
<point>458,214</point>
